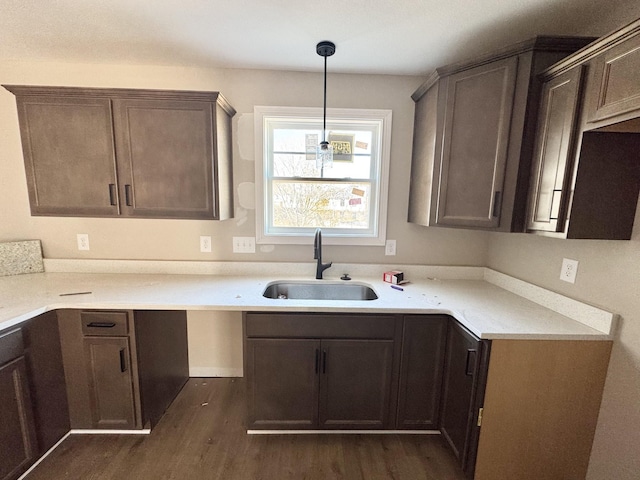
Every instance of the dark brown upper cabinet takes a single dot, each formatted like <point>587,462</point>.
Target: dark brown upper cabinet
<point>586,173</point>
<point>551,161</point>
<point>477,121</point>
<point>475,150</point>
<point>615,87</point>
<point>121,152</point>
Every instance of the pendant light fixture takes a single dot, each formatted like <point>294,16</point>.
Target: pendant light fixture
<point>324,152</point>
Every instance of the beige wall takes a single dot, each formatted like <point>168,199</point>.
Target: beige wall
<point>179,239</point>
<point>608,277</point>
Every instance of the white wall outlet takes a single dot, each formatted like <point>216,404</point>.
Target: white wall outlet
<point>205,244</point>
<point>244,244</point>
<point>83,241</point>
<point>390,247</point>
<point>569,270</point>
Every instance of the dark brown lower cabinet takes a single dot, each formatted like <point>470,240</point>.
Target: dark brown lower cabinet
<point>465,371</point>
<point>423,347</point>
<point>309,371</point>
<point>122,368</point>
<point>108,361</point>
<point>283,392</point>
<point>45,374</point>
<point>17,433</point>
<point>355,383</point>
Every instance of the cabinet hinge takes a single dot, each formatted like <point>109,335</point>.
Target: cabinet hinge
<point>480,416</point>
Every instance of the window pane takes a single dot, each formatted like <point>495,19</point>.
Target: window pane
<point>294,153</point>
<point>316,204</point>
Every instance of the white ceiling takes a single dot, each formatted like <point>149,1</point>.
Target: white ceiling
<point>371,36</point>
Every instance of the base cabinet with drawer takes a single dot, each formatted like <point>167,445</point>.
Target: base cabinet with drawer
<point>310,371</point>
<point>122,368</point>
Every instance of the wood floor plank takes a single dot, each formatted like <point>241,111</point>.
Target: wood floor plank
<point>202,436</point>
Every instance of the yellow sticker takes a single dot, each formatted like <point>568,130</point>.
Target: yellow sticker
<point>357,191</point>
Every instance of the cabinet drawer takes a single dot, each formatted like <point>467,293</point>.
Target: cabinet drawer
<point>11,345</point>
<point>313,325</point>
<point>105,323</point>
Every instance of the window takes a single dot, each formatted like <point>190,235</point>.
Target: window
<point>294,196</point>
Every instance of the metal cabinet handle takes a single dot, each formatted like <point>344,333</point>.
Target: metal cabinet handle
<point>324,361</point>
<point>127,195</point>
<point>112,194</point>
<point>123,365</point>
<point>497,197</point>
<point>317,361</point>
<point>470,365</point>
<point>101,324</point>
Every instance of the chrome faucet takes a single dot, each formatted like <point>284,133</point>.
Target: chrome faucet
<point>317,255</point>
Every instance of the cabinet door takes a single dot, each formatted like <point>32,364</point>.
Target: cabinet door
<point>69,156</point>
<point>551,169</point>
<point>17,445</point>
<point>108,361</point>
<point>282,379</point>
<point>423,347</point>
<point>465,368</point>
<point>615,89</point>
<point>43,354</point>
<point>165,158</point>
<point>477,124</point>
<point>355,383</point>
<point>423,158</point>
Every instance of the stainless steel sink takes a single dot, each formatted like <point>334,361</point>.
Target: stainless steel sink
<point>323,290</point>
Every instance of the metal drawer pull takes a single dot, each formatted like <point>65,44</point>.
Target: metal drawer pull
<point>123,366</point>
<point>317,361</point>
<point>101,324</point>
<point>470,363</point>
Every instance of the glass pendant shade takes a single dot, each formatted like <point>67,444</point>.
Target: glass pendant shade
<point>324,155</point>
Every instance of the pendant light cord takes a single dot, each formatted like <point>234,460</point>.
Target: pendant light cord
<point>324,114</point>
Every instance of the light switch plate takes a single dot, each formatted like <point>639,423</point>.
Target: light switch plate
<point>569,270</point>
<point>244,244</point>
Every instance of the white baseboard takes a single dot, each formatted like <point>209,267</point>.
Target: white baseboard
<point>342,432</point>
<point>108,431</point>
<point>24,475</point>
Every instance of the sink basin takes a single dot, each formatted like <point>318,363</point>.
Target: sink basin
<point>322,290</point>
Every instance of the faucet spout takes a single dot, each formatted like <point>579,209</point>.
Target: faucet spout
<point>317,255</point>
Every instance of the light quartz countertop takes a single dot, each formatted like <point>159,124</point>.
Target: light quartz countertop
<point>482,300</point>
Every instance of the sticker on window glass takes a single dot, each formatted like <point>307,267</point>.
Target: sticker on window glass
<point>355,201</point>
<point>362,145</point>
<point>342,146</point>
<point>311,144</point>
<point>357,191</point>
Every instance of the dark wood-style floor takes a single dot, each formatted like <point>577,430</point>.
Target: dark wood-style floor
<point>202,436</point>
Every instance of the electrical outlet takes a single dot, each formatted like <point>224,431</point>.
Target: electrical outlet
<point>205,244</point>
<point>390,247</point>
<point>244,244</point>
<point>569,270</point>
<point>83,241</point>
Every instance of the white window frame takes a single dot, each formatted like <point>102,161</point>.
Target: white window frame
<point>379,235</point>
